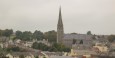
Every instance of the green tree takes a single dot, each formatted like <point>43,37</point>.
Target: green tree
<point>81,42</point>
<point>89,33</point>
<point>51,36</point>
<point>7,32</point>
<point>44,57</point>
<point>19,34</point>
<point>0,32</point>
<point>60,47</point>
<point>14,49</point>
<point>27,36</point>
<point>40,46</point>
<point>21,56</point>
<point>93,37</point>
<point>74,41</point>
<point>38,35</point>
<point>52,49</point>
<point>36,57</point>
<point>66,49</point>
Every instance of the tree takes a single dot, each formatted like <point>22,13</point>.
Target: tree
<point>58,46</point>
<point>7,32</point>
<point>40,46</point>
<point>53,49</point>
<point>27,36</point>
<point>111,38</point>
<point>66,49</point>
<point>89,33</point>
<point>36,57</point>
<point>93,37</point>
<point>0,32</point>
<point>44,57</point>
<point>74,41</point>
<point>19,34</point>
<point>81,42</point>
<point>21,56</point>
<point>51,36</point>
<point>61,47</point>
<point>38,35</point>
<point>15,49</point>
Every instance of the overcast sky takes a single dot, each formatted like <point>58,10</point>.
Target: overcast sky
<point>78,16</point>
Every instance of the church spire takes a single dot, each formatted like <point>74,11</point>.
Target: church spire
<point>60,31</point>
<point>60,17</point>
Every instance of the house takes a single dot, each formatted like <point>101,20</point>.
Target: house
<point>25,55</point>
<point>48,54</point>
<point>112,46</point>
<point>4,39</point>
<point>17,41</point>
<point>75,53</point>
<point>28,44</point>
<point>19,54</point>
<point>11,41</point>
<point>10,56</point>
<point>61,57</point>
<point>44,42</point>
<point>81,39</point>
<point>1,45</point>
<point>2,55</point>
<point>72,53</point>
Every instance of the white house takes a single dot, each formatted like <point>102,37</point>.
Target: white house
<point>28,44</point>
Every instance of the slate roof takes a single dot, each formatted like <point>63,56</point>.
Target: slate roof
<point>20,53</point>
<point>53,53</point>
<point>4,39</point>
<point>78,36</point>
<point>25,53</point>
<point>60,57</point>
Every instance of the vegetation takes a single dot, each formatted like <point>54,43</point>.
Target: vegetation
<point>38,35</point>
<point>13,49</point>
<point>81,42</point>
<point>74,41</point>
<point>54,48</point>
<point>94,37</point>
<point>40,46</point>
<point>7,32</point>
<point>36,57</point>
<point>27,35</point>
<point>89,33</point>
<point>60,47</point>
<point>19,34</point>
<point>21,56</point>
<point>51,36</point>
<point>111,38</point>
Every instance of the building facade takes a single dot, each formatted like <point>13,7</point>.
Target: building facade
<point>67,39</point>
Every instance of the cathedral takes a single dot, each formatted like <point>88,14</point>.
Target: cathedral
<point>67,39</point>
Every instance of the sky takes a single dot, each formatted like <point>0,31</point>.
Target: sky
<point>80,16</point>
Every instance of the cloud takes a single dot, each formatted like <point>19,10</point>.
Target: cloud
<point>78,15</point>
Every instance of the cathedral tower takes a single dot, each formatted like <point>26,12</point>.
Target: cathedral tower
<point>60,31</point>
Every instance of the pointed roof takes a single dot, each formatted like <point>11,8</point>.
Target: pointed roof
<point>60,17</point>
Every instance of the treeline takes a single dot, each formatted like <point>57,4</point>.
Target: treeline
<point>51,36</point>
<point>56,47</point>
<point>6,32</point>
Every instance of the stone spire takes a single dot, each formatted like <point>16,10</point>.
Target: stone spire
<point>60,31</point>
